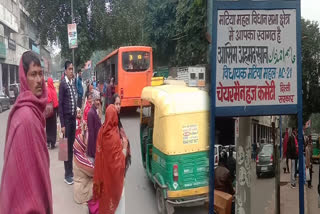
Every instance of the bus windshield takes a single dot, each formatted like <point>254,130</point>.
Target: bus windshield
<point>136,61</point>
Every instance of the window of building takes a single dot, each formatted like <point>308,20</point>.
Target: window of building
<point>12,74</point>
<point>201,76</point>
<point>192,76</point>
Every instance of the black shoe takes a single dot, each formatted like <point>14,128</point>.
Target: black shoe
<point>68,180</point>
<point>48,146</point>
<point>53,147</point>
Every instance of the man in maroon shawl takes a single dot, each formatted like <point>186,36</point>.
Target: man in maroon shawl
<point>25,184</point>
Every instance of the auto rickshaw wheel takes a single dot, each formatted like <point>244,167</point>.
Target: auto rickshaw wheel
<point>161,203</point>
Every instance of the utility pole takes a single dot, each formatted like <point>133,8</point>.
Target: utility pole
<point>73,62</point>
<point>277,168</point>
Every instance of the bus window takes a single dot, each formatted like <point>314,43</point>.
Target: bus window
<point>135,61</point>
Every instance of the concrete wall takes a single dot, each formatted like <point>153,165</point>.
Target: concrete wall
<point>243,176</point>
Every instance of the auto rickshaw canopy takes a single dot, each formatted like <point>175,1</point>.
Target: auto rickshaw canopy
<point>181,118</point>
<point>176,99</point>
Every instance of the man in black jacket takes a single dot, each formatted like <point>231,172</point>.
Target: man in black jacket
<point>293,155</point>
<point>67,113</point>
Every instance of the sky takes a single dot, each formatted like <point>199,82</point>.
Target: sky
<point>310,10</point>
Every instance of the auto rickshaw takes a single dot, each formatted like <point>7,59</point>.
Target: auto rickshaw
<point>174,136</point>
<point>316,148</point>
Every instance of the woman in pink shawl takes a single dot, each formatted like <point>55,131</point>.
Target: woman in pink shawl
<point>25,184</point>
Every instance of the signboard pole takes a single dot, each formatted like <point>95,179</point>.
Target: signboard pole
<point>300,117</point>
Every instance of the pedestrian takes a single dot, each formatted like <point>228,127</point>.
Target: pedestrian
<point>87,89</point>
<point>109,173</point>
<point>297,149</point>
<point>231,164</point>
<point>293,156</point>
<point>94,124</point>
<point>309,159</point>
<point>78,122</point>
<point>110,92</point>
<point>285,146</point>
<point>104,96</point>
<point>79,89</point>
<point>223,178</point>
<point>25,183</point>
<point>67,113</point>
<point>117,103</point>
<point>254,151</point>
<point>94,82</point>
<point>51,122</point>
<point>83,172</point>
<point>87,108</point>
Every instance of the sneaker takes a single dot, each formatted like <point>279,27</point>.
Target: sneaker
<point>293,186</point>
<point>68,180</point>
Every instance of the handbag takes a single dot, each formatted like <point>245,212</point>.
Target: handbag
<point>63,149</point>
<point>307,174</point>
<point>49,110</point>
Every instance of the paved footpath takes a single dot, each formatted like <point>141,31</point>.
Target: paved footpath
<point>289,197</point>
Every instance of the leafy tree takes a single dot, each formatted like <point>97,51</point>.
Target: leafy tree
<point>160,24</point>
<point>191,29</point>
<point>310,68</point>
<point>51,18</point>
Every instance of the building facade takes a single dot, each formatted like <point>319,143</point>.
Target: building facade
<point>17,35</point>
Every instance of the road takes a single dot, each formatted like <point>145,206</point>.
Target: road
<point>262,192</point>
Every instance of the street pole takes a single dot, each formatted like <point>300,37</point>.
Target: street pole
<point>277,169</point>
<point>280,126</point>
<point>73,62</point>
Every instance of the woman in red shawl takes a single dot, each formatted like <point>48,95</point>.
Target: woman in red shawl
<point>25,184</point>
<point>109,172</point>
<point>51,123</point>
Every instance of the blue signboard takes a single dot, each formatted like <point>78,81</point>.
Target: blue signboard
<point>256,64</point>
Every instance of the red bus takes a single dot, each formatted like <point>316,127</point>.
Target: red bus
<point>132,69</point>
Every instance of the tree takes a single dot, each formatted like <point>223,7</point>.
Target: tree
<point>191,29</point>
<point>51,18</point>
<point>310,68</point>
<point>160,24</point>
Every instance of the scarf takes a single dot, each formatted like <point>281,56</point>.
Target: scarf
<point>109,171</point>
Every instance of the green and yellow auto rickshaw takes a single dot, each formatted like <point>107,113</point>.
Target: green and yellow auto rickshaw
<point>174,134</point>
<point>315,148</point>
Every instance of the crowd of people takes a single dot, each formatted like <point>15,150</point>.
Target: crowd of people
<point>98,153</point>
<point>291,151</point>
